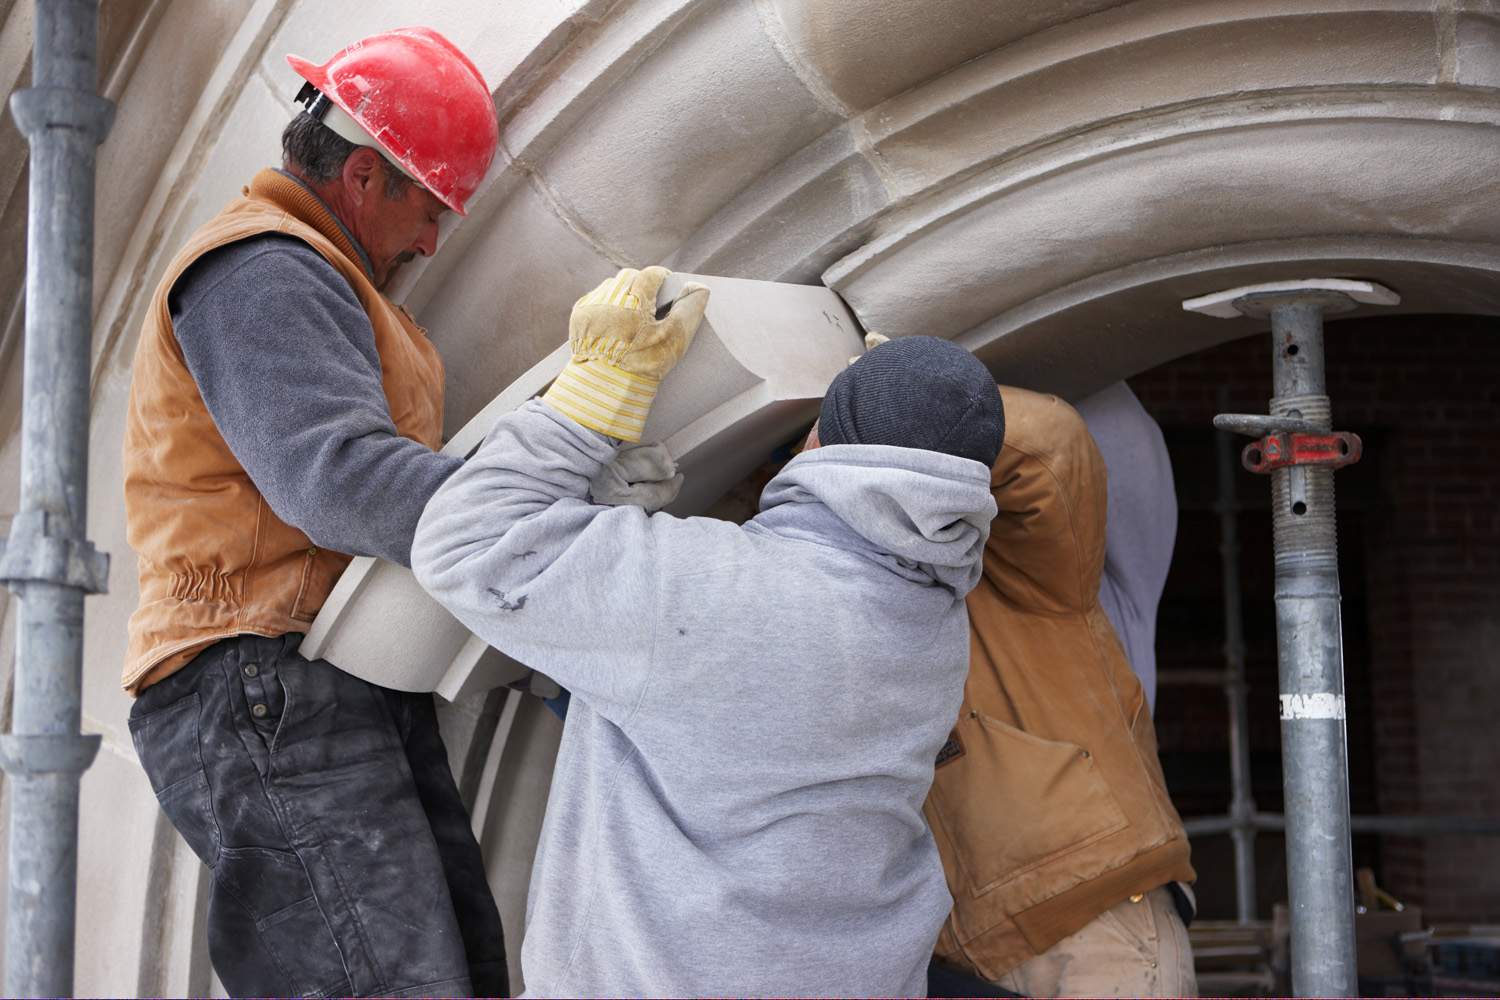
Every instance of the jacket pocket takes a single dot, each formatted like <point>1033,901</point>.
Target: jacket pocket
<point>166,741</point>
<point>1012,802</point>
<point>320,571</point>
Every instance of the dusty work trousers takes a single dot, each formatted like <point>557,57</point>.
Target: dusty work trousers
<point>1135,948</point>
<point>342,856</point>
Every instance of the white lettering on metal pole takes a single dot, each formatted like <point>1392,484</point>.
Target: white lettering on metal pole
<point>1319,705</point>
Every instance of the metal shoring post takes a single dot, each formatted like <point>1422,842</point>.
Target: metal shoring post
<point>1242,803</point>
<point>1309,641</point>
<point>46,560</point>
<point>1309,644</point>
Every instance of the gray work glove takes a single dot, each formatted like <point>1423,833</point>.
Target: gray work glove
<point>643,475</point>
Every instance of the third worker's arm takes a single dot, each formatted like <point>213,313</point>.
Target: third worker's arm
<point>285,359</point>
<point>1142,526</point>
<point>511,544</point>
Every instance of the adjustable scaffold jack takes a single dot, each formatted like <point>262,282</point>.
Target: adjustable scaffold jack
<point>1297,446</point>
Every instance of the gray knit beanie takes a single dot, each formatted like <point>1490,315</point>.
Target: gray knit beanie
<point>916,392</point>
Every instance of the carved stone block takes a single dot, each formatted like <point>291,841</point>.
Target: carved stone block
<point>753,377</point>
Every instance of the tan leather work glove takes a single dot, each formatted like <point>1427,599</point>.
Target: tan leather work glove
<point>872,341</point>
<point>621,351</point>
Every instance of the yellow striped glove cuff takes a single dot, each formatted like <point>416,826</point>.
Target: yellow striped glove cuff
<point>603,398</point>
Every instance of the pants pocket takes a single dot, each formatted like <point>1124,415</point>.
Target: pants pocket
<point>274,890</point>
<point>166,741</point>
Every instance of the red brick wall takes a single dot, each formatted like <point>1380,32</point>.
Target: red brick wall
<point>1420,565</point>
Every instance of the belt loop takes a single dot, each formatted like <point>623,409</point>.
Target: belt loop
<point>1183,901</point>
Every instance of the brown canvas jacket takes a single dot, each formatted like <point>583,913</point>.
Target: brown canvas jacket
<point>1048,804</point>
<point>214,560</point>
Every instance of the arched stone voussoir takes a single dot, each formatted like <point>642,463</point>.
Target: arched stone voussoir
<point>713,108</point>
<point>753,376</point>
<point>866,51</point>
<point>983,255</point>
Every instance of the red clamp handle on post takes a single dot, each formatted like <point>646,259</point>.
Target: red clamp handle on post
<point>1280,451</point>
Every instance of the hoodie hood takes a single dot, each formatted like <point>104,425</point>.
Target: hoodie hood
<point>922,514</point>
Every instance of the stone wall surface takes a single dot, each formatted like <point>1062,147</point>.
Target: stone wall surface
<point>1042,181</point>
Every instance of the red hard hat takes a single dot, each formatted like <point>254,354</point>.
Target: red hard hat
<point>421,100</point>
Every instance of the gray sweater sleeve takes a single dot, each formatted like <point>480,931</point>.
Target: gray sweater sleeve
<point>285,359</point>
<point>1142,526</point>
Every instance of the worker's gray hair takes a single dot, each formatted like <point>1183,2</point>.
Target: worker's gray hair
<point>318,153</point>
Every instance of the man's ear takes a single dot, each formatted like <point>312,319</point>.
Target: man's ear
<point>361,174</point>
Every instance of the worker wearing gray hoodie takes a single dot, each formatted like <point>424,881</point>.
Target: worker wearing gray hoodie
<point>737,801</point>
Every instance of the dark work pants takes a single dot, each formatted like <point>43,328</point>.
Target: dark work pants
<point>342,856</point>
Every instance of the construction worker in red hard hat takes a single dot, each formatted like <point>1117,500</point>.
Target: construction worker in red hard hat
<point>285,416</point>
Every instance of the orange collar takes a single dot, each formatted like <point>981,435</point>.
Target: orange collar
<point>297,201</point>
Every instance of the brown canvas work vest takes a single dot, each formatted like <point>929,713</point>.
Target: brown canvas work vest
<point>214,560</point>
<point>1048,802</point>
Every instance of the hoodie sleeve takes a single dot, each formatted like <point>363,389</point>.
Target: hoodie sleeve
<point>512,547</point>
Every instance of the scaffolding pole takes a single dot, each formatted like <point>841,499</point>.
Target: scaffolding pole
<point>1243,820</point>
<point>1392,826</point>
<point>1298,448</point>
<point>1241,803</point>
<point>47,560</point>
<point>1309,648</point>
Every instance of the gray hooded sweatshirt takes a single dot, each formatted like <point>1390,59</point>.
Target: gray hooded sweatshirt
<point>737,802</point>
